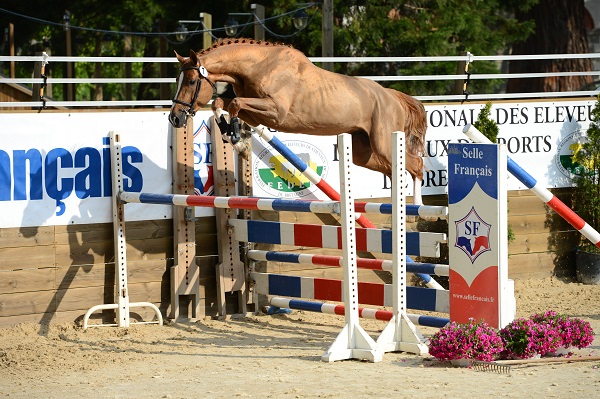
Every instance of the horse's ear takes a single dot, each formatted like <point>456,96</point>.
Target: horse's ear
<point>179,58</point>
<point>194,57</point>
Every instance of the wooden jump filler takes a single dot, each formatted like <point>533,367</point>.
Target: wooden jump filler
<point>185,274</point>
<point>231,271</point>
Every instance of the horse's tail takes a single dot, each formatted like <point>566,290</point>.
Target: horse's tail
<point>415,127</point>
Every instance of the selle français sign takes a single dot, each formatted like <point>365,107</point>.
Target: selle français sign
<point>54,169</point>
<point>477,234</point>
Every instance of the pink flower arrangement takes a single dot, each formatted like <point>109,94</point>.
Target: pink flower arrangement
<point>577,333</point>
<point>472,340</point>
<point>525,338</point>
<point>573,332</point>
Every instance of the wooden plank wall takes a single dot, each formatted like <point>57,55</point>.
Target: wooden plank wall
<point>544,242</point>
<point>56,273</point>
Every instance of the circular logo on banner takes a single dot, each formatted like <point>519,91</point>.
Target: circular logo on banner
<point>279,178</point>
<point>565,151</point>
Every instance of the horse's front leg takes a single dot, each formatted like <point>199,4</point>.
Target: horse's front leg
<point>254,111</point>
<point>217,108</point>
<point>231,128</point>
<point>241,147</point>
<point>258,111</point>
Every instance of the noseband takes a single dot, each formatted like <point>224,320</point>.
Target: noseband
<point>203,74</point>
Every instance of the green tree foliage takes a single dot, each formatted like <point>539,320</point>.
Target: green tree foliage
<point>485,125</point>
<point>420,28</point>
<point>586,156</point>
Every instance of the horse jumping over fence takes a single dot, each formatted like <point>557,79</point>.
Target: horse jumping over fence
<point>277,86</point>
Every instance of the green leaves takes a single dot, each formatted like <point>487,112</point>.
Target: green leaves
<point>586,194</point>
<point>417,28</point>
<point>485,125</point>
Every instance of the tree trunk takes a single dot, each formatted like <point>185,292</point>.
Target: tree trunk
<point>560,29</point>
<point>98,90</point>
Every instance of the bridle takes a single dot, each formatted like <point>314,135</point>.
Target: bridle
<point>203,74</point>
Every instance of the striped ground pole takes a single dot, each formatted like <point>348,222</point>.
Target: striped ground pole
<point>323,236</point>
<point>366,313</point>
<point>323,289</point>
<point>323,186</point>
<point>541,192</point>
<point>331,260</point>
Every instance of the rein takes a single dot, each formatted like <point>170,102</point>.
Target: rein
<point>203,74</point>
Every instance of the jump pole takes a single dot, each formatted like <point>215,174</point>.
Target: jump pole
<point>365,313</point>
<point>331,260</point>
<point>541,192</point>
<point>278,204</point>
<point>302,167</point>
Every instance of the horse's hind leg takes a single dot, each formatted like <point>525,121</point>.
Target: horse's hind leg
<point>379,157</point>
<point>361,150</point>
<point>411,162</point>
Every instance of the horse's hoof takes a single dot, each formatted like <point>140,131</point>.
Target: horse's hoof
<point>223,125</point>
<point>235,130</point>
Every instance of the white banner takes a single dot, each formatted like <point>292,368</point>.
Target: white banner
<point>538,136</point>
<point>55,167</point>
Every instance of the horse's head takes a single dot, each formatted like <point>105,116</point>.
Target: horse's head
<point>194,89</point>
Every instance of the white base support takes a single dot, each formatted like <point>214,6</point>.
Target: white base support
<point>122,304</point>
<point>402,336</point>
<point>125,320</point>
<point>353,343</point>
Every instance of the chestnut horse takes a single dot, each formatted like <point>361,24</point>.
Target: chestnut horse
<point>277,86</point>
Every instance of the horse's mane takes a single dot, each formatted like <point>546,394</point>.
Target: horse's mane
<point>242,40</point>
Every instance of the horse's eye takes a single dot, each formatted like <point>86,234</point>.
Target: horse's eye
<point>192,82</point>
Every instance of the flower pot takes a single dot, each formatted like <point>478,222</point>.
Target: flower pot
<point>462,362</point>
<point>516,357</point>
<point>562,351</point>
<point>587,266</point>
